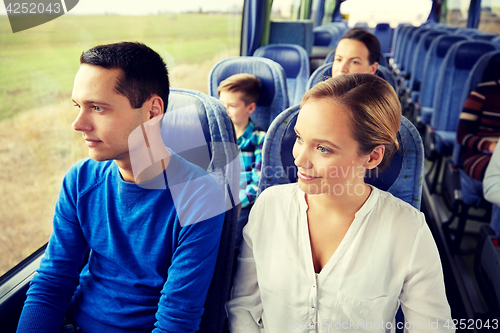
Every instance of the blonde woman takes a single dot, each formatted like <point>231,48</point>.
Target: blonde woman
<point>332,253</point>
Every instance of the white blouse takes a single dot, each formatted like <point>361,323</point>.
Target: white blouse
<point>387,257</point>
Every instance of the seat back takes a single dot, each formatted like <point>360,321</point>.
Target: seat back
<point>438,49</point>
<point>417,68</point>
<point>484,36</point>
<point>383,31</point>
<point>295,62</point>
<point>325,35</point>
<point>412,48</point>
<point>298,32</point>
<point>273,96</point>
<point>197,127</point>
<point>324,72</point>
<point>405,41</point>
<point>454,72</point>
<point>487,68</point>
<point>403,177</point>
<point>496,40</point>
<point>397,41</point>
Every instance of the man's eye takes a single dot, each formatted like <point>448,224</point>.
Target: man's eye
<point>78,106</point>
<point>98,108</point>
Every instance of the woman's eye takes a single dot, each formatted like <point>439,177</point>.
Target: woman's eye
<point>323,150</point>
<point>298,138</point>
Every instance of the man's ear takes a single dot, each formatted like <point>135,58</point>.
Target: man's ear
<point>156,106</point>
<point>251,107</point>
<point>375,157</point>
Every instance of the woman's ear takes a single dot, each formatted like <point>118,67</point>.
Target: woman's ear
<point>375,157</point>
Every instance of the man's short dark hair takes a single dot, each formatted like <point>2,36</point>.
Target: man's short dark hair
<point>144,73</point>
<point>370,40</point>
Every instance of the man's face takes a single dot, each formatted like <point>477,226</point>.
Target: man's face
<point>351,56</point>
<point>105,117</point>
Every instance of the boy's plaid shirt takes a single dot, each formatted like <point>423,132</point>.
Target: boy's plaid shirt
<point>250,144</point>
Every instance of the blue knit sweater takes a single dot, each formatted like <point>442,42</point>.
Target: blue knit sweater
<point>152,257</point>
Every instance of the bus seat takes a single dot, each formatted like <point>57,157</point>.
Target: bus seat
<point>383,31</point>
<point>417,68</point>
<point>325,71</point>
<point>455,70</point>
<point>273,96</point>
<point>441,133</point>
<point>404,41</point>
<point>295,62</point>
<point>411,49</point>
<point>437,51</point>
<point>402,178</point>
<point>471,32</point>
<point>326,35</point>
<point>362,24</point>
<point>322,73</point>
<point>397,43</point>
<point>298,32</point>
<point>496,40</point>
<point>487,68</point>
<point>188,113</point>
<point>484,36</point>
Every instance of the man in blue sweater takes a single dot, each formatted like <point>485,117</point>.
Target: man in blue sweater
<point>153,232</point>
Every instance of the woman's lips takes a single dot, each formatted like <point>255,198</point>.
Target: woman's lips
<point>305,177</point>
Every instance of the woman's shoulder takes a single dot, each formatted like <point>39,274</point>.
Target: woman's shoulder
<point>278,193</point>
<point>402,212</point>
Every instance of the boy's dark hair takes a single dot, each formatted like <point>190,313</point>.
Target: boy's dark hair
<point>370,40</point>
<point>247,83</point>
<point>144,73</point>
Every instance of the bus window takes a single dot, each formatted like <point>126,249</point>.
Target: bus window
<point>489,19</point>
<point>457,13</point>
<point>389,11</point>
<point>285,9</point>
<point>37,67</point>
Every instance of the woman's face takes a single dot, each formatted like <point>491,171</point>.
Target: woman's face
<point>352,56</point>
<point>325,152</point>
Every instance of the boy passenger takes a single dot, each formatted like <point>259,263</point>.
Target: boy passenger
<point>152,248</point>
<point>239,93</point>
<point>358,51</point>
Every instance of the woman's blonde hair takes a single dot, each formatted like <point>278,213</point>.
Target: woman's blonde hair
<point>375,110</point>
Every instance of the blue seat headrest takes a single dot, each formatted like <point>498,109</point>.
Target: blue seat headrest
<point>445,44</point>
<point>181,129</point>
<point>468,53</point>
<point>288,58</point>
<point>286,151</point>
<point>263,72</point>
<point>383,26</point>
<point>430,37</point>
<point>492,70</point>
<point>322,37</point>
